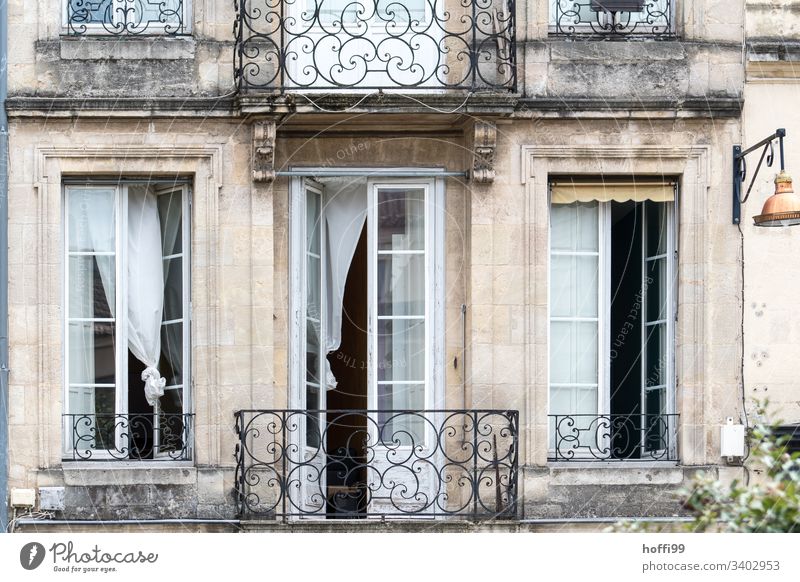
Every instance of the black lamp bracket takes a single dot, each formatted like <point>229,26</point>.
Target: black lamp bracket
<point>740,168</point>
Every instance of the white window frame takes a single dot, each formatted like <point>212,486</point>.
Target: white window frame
<point>152,28</point>
<point>121,335</point>
<point>434,241</point>
<point>604,318</point>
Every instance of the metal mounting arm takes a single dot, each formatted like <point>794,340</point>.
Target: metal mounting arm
<point>740,168</point>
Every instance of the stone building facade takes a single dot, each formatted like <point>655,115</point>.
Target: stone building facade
<point>551,118</point>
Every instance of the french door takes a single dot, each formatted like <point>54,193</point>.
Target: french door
<point>585,345</point>
<point>402,359</point>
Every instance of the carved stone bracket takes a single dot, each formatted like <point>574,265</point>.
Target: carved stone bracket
<point>484,143</point>
<point>264,151</point>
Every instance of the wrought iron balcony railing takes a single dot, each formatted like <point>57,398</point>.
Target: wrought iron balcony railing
<point>128,437</point>
<point>127,17</point>
<point>613,19</point>
<point>610,437</point>
<point>360,463</point>
<point>375,44</point>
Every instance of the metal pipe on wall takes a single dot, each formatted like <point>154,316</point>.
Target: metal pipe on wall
<point>3,266</point>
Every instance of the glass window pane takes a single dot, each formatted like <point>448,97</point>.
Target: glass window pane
<point>561,286</point>
<point>656,282</point>
<point>401,350</point>
<point>401,219</point>
<point>173,289</point>
<point>313,288</point>
<point>563,227</point>
<point>171,364</point>
<point>585,364</point>
<point>91,353</point>
<point>585,286</point>
<point>92,219</point>
<point>157,11</point>
<point>561,356</point>
<point>655,423</point>
<point>313,427</point>
<point>313,360</point>
<point>573,352</point>
<point>88,297</point>
<point>95,430</point>
<point>404,428</point>
<point>656,356</point>
<point>588,237</point>
<point>401,284</point>
<point>656,216</point>
<point>90,11</point>
<point>170,212</point>
<point>313,223</point>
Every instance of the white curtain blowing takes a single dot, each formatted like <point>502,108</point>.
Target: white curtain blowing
<point>145,288</point>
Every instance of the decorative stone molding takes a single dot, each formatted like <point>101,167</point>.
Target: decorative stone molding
<point>483,149</point>
<point>264,151</point>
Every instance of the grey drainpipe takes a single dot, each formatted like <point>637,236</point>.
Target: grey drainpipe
<point>3,266</point>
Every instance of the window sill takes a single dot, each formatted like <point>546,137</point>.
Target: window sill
<point>126,48</point>
<point>129,473</point>
<point>616,473</point>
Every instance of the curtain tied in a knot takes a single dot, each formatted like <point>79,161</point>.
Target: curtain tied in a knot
<point>153,385</point>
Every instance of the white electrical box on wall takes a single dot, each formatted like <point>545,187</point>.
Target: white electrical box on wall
<point>23,497</point>
<point>732,440</point>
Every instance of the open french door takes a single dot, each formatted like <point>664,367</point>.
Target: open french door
<point>306,489</point>
<point>392,440</point>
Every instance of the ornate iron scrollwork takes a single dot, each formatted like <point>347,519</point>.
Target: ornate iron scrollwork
<point>610,437</point>
<point>613,20</point>
<point>363,463</point>
<point>375,44</point>
<point>126,17</point>
<point>129,437</point>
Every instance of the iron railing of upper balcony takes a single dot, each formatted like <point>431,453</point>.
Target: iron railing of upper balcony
<point>613,19</point>
<point>303,45</point>
<point>127,17</point>
<point>128,437</point>
<point>377,463</point>
<point>610,437</point>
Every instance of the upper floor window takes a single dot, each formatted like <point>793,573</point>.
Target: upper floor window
<point>612,320</point>
<point>126,17</point>
<point>126,342</point>
<point>612,19</point>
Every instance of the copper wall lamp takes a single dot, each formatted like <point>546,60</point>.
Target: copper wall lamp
<point>780,209</point>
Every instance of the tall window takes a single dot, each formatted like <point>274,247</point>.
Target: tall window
<point>126,322</point>
<point>132,17</point>
<point>612,257</point>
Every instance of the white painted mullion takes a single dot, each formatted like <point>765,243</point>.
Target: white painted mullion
<point>372,308</point>
<point>122,436</point>
<point>604,314</point>
<point>67,442</point>
<point>671,387</point>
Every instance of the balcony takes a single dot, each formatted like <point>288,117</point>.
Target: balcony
<point>128,437</point>
<point>613,19</point>
<point>368,45</point>
<point>377,463</point>
<point>613,437</point>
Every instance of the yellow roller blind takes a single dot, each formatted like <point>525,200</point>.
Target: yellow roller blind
<point>569,192</point>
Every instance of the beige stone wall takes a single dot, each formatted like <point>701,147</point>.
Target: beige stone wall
<point>773,19</point>
<point>772,257</point>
